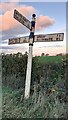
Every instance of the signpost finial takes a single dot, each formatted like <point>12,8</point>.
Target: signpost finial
<point>33,15</point>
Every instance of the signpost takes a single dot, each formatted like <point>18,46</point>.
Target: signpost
<point>31,26</point>
<point>39,38</point>
<point>31,39</point>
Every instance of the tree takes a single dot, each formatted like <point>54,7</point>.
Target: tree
<point>47,54</point>
<point>43,54</point>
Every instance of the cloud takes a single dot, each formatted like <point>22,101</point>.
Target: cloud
<point>13,48</point>
<point>50,50</point>
<point>14,0</point>
<point>7,6</point>
<point>37,49</point>
<point>44,21</point>
<point>8,22</point>
<point>63,29</point>
<point>11,28</point>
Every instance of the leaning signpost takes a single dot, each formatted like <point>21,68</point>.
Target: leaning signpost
<point>31,39</point>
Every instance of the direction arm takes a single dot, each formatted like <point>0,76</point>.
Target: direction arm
<point>23,20</point>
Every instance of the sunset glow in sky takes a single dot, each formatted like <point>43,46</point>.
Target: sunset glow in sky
<point>50,18</point>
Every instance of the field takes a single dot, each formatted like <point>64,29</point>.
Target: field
<point>48,92</point>
<point>50,59</point>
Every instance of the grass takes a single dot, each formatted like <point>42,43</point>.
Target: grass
<point>50,59</point>
<point>39,105</point>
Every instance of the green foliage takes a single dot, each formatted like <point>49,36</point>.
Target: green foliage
<point>48,91</point>
<point>14,67</point>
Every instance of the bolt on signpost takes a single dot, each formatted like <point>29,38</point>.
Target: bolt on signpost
<point>29,64</point>
<point>31,39</point>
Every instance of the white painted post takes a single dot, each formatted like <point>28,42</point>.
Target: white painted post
<point>28,74</point>
<point>29,64</point>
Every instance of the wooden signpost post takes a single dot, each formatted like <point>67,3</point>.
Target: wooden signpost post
<point>31,39</point>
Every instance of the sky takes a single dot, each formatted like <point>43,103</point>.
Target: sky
<point>50,18</point>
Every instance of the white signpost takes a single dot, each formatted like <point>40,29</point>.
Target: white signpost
<point>30,25</point>
<point>31,39</point>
